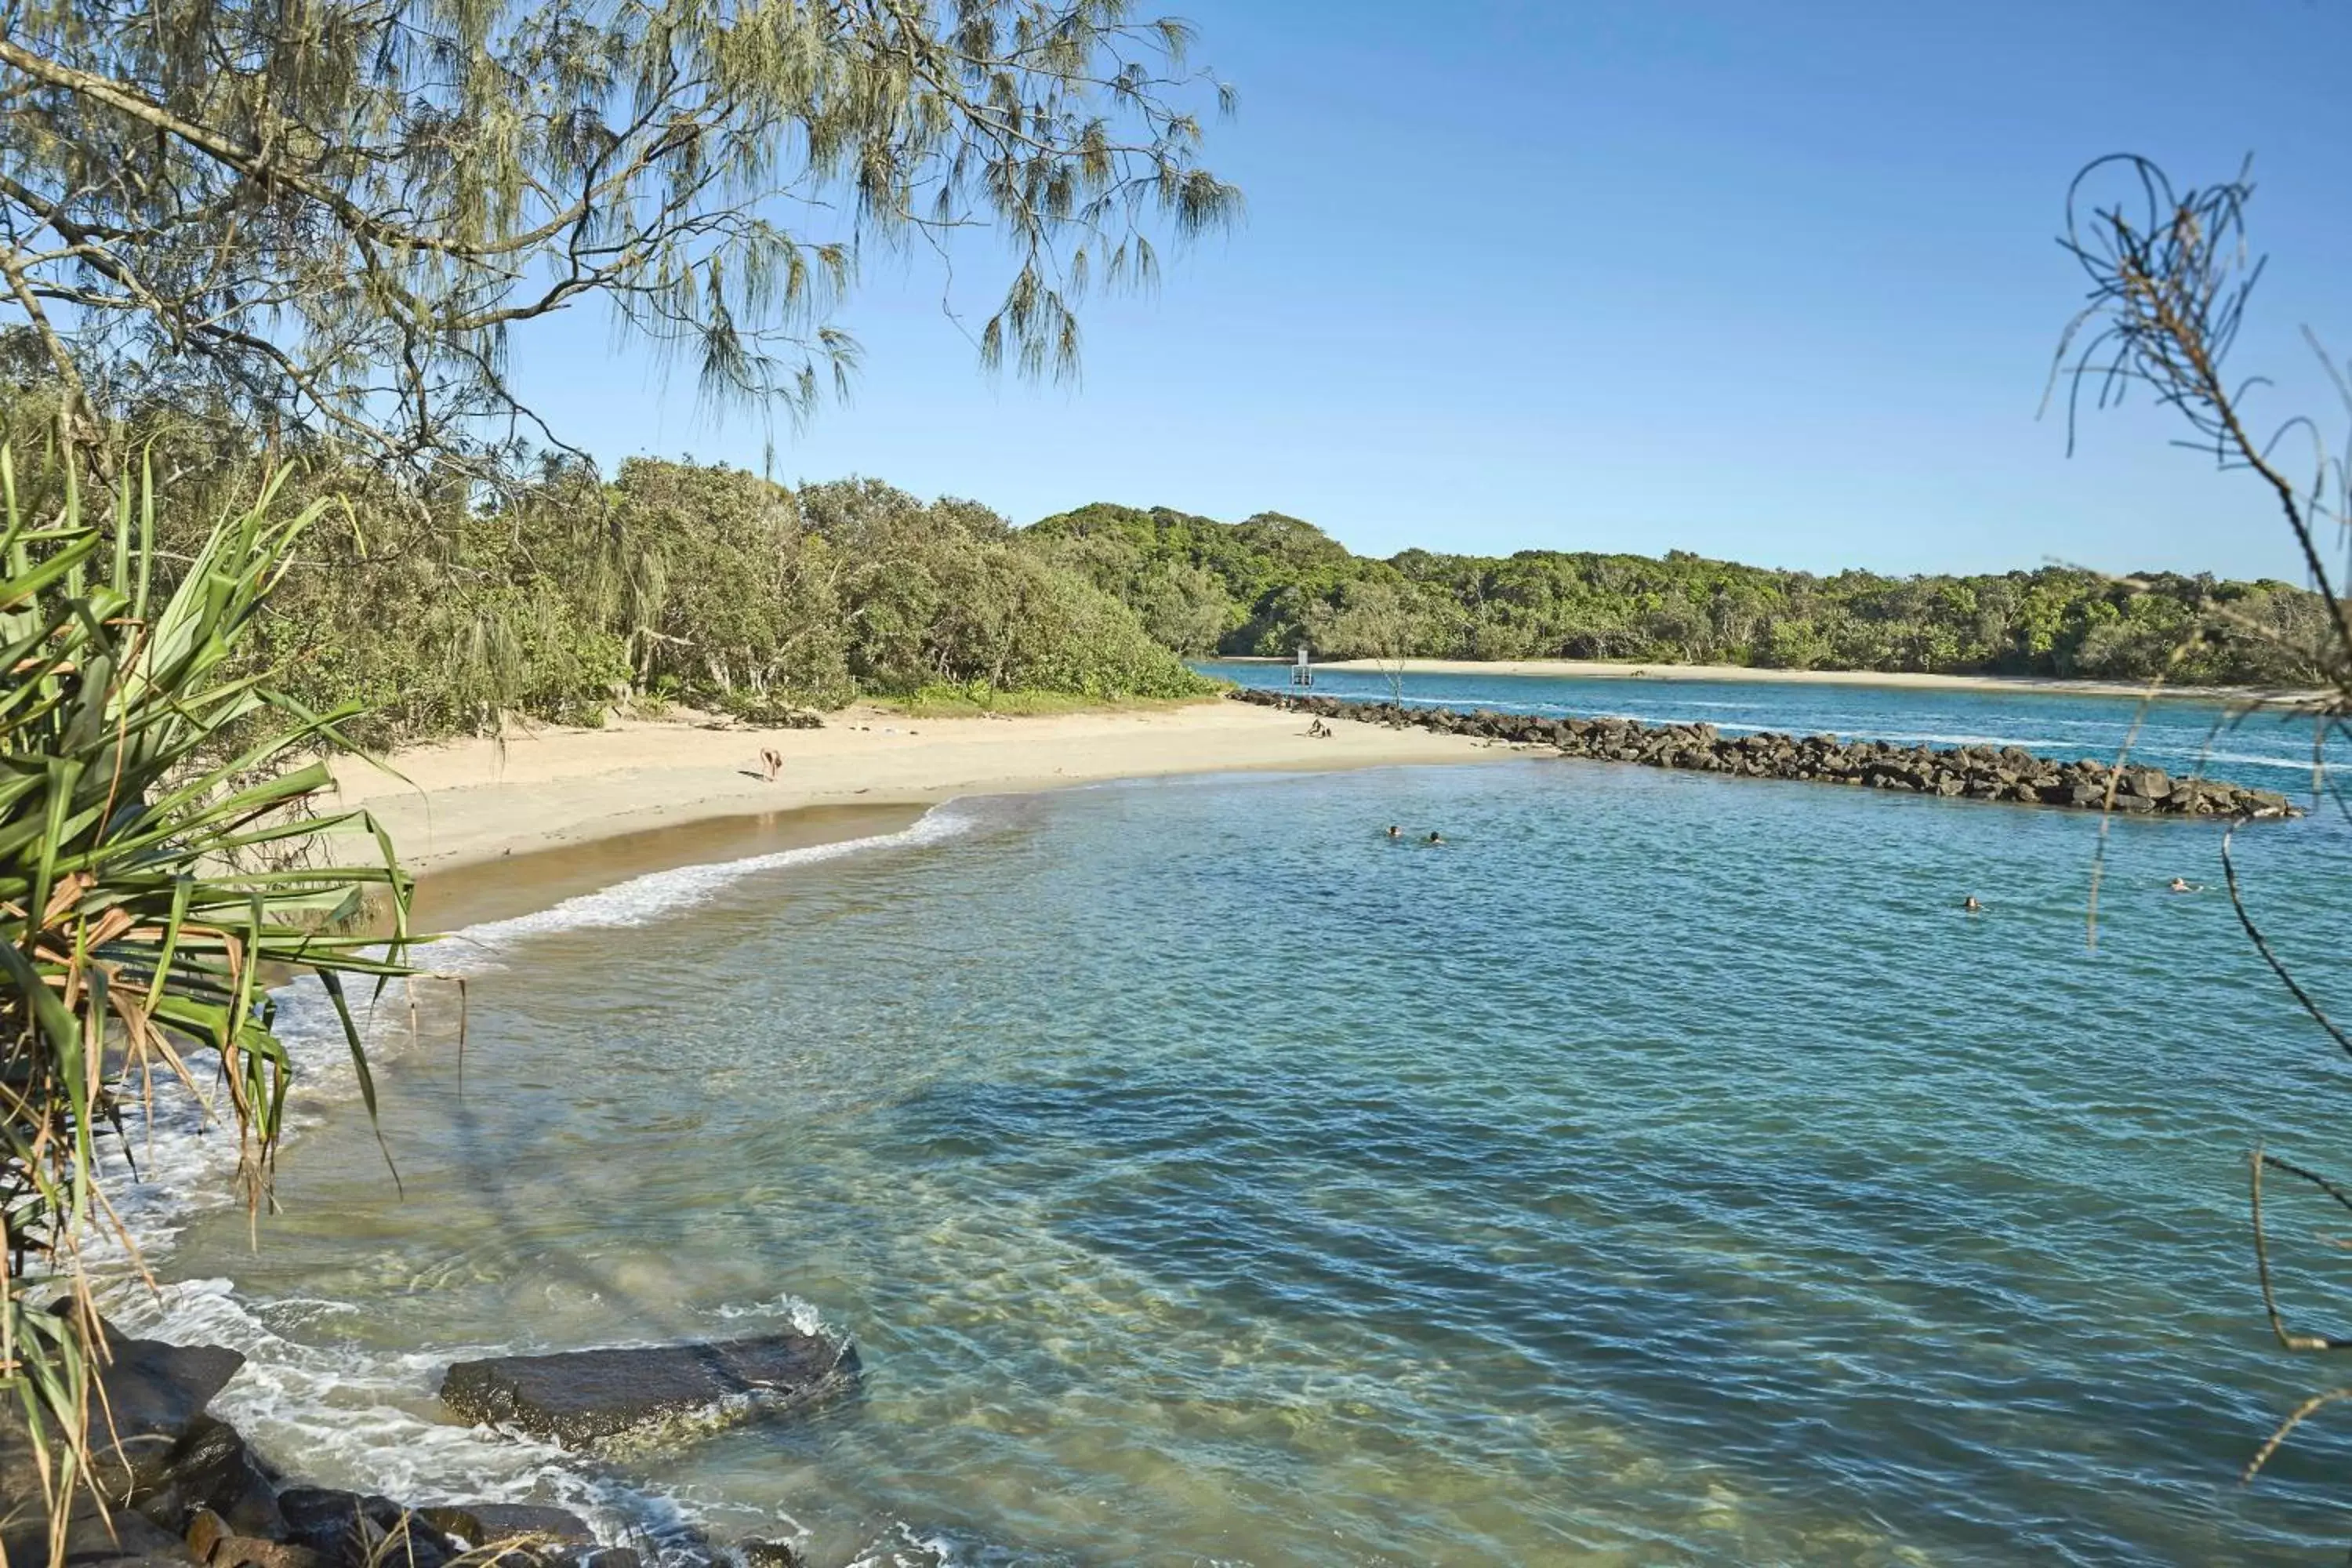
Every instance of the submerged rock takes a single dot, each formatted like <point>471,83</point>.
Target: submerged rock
<point>580,1396</point>
<point>768,1555</point>
<point>481,1523</point>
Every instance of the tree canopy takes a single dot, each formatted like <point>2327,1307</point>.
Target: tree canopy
<point>330,218</point>
<point>1263,586</point>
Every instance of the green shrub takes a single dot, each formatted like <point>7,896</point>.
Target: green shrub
<point>142,918</point>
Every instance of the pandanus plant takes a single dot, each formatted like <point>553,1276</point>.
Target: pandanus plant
<point>150,778</point>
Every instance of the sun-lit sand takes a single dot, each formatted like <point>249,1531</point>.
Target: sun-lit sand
<point>470,802</point>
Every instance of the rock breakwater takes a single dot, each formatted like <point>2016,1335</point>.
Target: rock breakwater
<point>1959,773</point>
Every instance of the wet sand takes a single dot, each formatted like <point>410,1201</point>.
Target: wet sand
<point>511,885</point>
<point>501,827</point>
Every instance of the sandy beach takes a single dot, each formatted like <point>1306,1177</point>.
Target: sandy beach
<point>1596,669</point>
<point>498,825</point>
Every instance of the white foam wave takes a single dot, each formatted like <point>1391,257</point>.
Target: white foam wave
<point>2023,742</point>
<point>344,1416</point>
<point>905,1546</point>
<point>348,1415</point>
<point>801,1317</point>
<point>2301,765</point>
<point>181,1141</point>
<point>640,900</point>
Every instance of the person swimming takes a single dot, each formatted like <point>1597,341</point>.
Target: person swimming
<point>2183,885</point>
<point>1435,837</point>
<point>1394,831</point>
<point>1970,904</point>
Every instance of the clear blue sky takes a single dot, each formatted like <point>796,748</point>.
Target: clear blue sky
<point>1776,283</point>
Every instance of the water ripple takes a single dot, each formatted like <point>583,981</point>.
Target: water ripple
<point>1665,1170</point>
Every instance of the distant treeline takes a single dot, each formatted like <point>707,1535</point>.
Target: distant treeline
<point>1267,585</point>
<point>560,592</point>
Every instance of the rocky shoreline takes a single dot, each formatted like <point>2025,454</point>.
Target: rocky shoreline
<point>1957,773</point>
<point>174,1484</point>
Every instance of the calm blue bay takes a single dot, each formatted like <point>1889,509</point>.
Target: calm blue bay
<point>1665,1169</point>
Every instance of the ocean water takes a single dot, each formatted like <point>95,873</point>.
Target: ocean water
<point>1664,1170</point>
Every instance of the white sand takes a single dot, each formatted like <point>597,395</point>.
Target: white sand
<point>469,801</point>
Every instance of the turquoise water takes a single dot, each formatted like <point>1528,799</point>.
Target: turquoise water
<point>1665,1170</point>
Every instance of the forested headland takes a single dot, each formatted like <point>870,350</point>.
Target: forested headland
<point>1264,585</point>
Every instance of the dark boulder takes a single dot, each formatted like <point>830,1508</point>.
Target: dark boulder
<point>212,1543</point>
<point>308,1508</point>
<point>211,1468</point>
<point>352,1531</point>
<point>583,1395</point>
<point>92,1538</point>
<point>155,1395</point>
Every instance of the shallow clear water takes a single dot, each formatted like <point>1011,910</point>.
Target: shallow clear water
<point>1664,1170</point>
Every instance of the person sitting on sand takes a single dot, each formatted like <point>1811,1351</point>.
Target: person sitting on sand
<point>2183,885</point>
<point>1319,731</point>
<point>1435,837</point>
<point>1970,904</point>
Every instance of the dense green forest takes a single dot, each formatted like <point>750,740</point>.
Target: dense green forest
<point>557,593</point>
<point>719,587</point>
<point>1267,584</point>
<point>703,584</point>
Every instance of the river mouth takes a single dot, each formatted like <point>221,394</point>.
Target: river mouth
<point>1665,1168</point>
